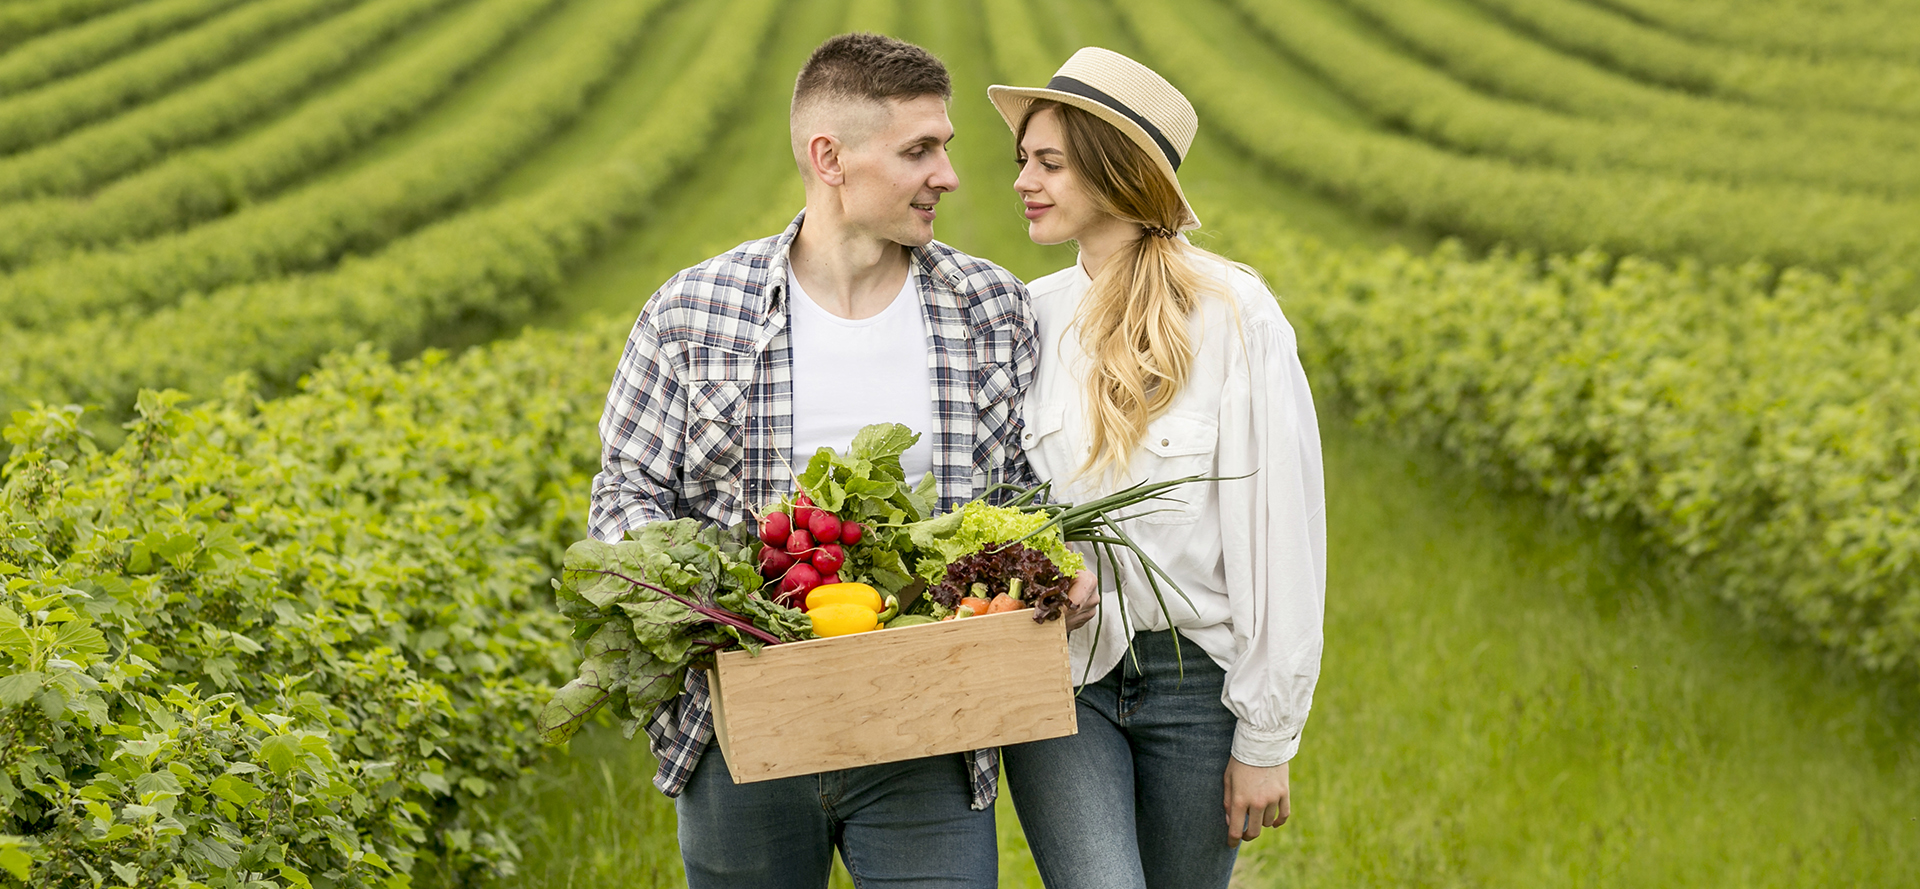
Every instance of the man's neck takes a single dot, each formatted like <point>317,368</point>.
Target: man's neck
<point>851,275</point>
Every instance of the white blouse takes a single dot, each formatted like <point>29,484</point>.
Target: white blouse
<point>1249,554</point>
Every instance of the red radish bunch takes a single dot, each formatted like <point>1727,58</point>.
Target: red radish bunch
<point>804,549</point>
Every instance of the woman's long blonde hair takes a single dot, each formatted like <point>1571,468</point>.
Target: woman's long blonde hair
<point>1133,322</point>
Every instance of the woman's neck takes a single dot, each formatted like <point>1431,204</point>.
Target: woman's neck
<point>1102,240</point>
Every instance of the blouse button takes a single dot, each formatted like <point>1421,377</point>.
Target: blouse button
<point>1163,442</point>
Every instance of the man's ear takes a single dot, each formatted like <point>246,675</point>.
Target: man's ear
<point>824,152</point>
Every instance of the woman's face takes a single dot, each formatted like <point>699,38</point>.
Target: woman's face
<point>1057,208</point>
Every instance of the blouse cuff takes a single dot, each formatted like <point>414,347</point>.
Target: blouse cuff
<point>1264,747</point>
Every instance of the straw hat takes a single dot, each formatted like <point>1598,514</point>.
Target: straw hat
<point>1124,93</point>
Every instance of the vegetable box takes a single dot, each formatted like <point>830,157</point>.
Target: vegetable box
<point>891,695</point>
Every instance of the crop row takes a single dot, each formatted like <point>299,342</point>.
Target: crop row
<point>1875,85</point>
<point>34,117</point>
<point>194,186</point>
<point>23,19</point>
<point>222,103</point>
<point>490,266</point>
<point>296,639</point>
<point>64,52</point>
<point>358,212</point>
<point>1409,95</point>
<point>1763,429</point>
<point>1477,49</point>
<point>1493,201</point>
<point>1825,30</point>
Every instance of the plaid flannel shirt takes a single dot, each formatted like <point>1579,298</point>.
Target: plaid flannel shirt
<point>699,420</point>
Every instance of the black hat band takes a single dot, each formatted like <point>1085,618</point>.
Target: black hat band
<point>1070,85</point>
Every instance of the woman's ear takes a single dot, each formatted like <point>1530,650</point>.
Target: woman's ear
<point>824,153</point>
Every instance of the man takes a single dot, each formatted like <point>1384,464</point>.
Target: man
<point>852,316</point>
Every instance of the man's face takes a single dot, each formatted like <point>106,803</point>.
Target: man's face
<point>896,174</point>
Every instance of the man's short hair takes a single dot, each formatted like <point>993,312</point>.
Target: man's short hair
<point>871,67</point>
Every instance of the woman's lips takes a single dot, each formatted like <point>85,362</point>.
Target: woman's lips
<point>1035,211</point>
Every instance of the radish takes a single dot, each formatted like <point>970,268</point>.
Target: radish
<point>829,557</point>
<point>774,528</point>
<point>799,542</point>
<point>803,512</point>
<point>774,561</point>
<point>825,526</point>
<point>800,578</point>
<point>850,532</point>
<point>827,579</point>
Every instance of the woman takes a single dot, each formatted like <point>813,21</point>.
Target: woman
<point>1161,360</point>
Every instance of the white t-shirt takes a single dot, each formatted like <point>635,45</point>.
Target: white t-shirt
<point>849,374</point>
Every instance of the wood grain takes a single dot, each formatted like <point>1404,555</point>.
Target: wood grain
<point>890,695</point>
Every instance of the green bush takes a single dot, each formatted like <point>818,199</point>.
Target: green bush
<point>1492,201</point>
<point>362,211</point>
<point>1760,427</point>
<point>1408,95</point>
<point>35,117</point>
<point>274,643</point>
<point>27,18</point>
<point>213,107</point>
<point>86,45</point>
<point>193,186</point>
<point>1877,86</point>
<point>1827,30</point>
<point>490,267</point>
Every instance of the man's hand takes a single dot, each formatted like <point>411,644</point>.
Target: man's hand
<point>1256,797</point>
<point>1083,600</point>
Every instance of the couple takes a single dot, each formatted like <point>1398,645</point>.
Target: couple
<point>1149,358</point>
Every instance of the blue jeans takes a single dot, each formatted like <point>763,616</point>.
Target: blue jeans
<point>898,824</point>
<point>1136,798</point>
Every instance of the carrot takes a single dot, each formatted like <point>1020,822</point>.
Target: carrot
<point>1004,603</point>
<point>979,604</point>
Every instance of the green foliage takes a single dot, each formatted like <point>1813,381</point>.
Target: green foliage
<point>79,47</point>
<point>489,267</point>
<point>1493,201</point>
<point>295,639</point>
<point>650,608</point>
<point>35,117</point>
<point>195,185</point>
<point>1834,29</point>
<point>245,91</point>
<point>979,525</point>
<point>314,226</point>
<point>867,485</point>
<point>1408,95</point>
<point>1758,427</point>
<point>1875,85</point>
<point>24,19</point>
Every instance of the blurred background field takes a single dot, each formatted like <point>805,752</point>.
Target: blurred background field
<point>1609,306</point>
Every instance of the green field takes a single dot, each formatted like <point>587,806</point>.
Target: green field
<point>1609,306</point>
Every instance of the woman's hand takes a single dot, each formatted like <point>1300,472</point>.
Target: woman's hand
<point>1083,600</point>
<point>1256,797</point>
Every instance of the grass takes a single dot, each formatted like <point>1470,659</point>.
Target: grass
<point>1510,696</point>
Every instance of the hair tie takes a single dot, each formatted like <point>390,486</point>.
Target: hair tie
<point>1154,231</point>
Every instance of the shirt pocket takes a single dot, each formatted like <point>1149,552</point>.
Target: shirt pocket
<point>717,392</point>
<point>1177,446</point>
<point>993,371</point>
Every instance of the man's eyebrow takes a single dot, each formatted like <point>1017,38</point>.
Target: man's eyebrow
<point>927,140</point>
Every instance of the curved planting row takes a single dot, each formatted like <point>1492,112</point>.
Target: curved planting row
<point>34,117</point>
<point>1412,96</point>
<point>290,643</point>
<point>193,186</point>
<point>23,19</point>
<point>1762,429</point>
<point>490,266</point>
<point>1876,85</point>
<point>1865,28</point>
<point>314,226</point>
<point>218,105</point>
<point>82,46</point>
<point>1493,201</point>
<point>1013,42</point>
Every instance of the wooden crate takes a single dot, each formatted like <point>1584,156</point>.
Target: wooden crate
<point>890,695</point>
